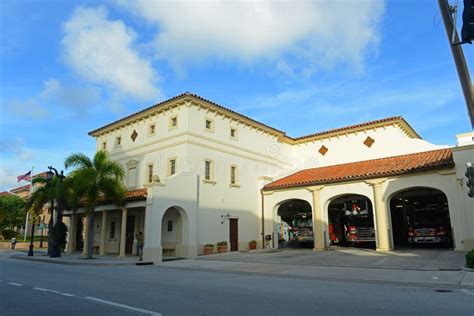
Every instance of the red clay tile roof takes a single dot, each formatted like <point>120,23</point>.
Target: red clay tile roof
<point>137,194</point>
<point>22,188</point>
<point>132,195</point>
<point>368,169</point>
<point>6,193</point>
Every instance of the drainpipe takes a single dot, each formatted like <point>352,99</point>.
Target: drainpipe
<point>263,219</point>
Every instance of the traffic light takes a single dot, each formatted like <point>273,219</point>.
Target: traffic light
<point>467,31</point>
<point>470,179</point>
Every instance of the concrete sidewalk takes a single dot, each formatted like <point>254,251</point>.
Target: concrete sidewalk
<point>77,259</point>
<point>460,278</point>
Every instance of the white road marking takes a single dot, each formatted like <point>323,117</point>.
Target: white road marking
<point>15,284</point>
<point>52,291</point>
<point>123,306</point>
<point>45,290</point>
<point>467,292</point>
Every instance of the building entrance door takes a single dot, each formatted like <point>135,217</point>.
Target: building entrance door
<point>234,234</point>
<point>130,233</point>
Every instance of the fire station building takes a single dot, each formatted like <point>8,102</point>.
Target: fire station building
<point>200,173</point>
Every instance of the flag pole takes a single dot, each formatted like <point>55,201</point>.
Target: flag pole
<point>29,195</point>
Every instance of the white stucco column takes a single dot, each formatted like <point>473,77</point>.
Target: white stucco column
<point>123,233</point>
<point>152,249</point>
<point>318,219</point>
<point>381,216</point>
<point>103,233</point>
<point>71,236</point>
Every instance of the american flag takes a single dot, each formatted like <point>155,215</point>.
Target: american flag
<point>26,176</point>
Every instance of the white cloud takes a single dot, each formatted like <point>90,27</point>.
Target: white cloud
<point>74,98</point>
<point>29,108</point>
<point>320,33</point>
<point>101,51</point>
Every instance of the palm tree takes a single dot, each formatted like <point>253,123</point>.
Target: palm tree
<point>97,179</point>
<point>46,193</point>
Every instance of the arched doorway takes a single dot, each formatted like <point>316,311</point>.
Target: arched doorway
<point>295,224</point>
<point>420,217</point>
<point>351,221</point>
<point>172,232</point>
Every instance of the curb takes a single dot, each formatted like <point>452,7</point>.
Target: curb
<point>71,262</point>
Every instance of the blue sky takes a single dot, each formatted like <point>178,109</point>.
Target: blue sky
<point>68,67</point>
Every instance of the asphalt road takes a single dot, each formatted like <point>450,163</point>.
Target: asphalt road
<point>32,288</point>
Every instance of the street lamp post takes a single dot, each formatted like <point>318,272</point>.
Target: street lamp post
<point>55,251</point>
<point>42,230</point>
<point>30,250</point>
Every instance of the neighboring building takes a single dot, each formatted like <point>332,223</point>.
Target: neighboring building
<point>200,173</point>
<point>24,193</point>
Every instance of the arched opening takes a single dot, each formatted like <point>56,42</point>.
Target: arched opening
<point>351,221</point>
<point>295,224</point>
<point>420,218</point>
<point>172,232</point>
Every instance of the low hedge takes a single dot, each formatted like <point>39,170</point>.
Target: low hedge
<point>470,259</point>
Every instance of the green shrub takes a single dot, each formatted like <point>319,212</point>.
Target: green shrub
<point>222,243</point>
<point>470,259</point>
<point>8,234</point>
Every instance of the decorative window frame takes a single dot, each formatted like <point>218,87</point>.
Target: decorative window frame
<point>170,159</point>
<point>103,145</point>
<point>170,123</point>
<point>118,141</point>
<point>150,127</point>
<point>236,183</point>
<point>149,177</point>
<point>236,134</point>
<point>211,178</point>
<point>212,128</point>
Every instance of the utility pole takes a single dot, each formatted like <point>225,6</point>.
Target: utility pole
<point>459,60</point>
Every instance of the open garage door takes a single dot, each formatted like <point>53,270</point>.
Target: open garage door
<point>295,224</point>
<point>420,218</point>
<point>351,221</point>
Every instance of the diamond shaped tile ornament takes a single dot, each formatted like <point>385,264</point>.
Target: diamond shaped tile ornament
<point>323,150</point>
<point>134,135</point>
<point>369,141</point>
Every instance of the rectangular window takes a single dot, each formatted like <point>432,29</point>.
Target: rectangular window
<point>170,226</point>
<point>208,172</point>
<point>233,133</point>
<point>173,122</point>
<point>112,230</point>
<point>233,175</point>
<point>209,124</point>
<point>118,141</point>
<point>104,145</point>
<point>150,173</point>
<point>151,130</point>
<point>171,166</point>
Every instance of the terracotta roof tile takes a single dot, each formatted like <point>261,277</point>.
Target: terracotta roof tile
<point>6,193</point>
<point>376,168</point>
<point>132,195</point>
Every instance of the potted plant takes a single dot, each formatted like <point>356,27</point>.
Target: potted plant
<point>208,249</point>
<point>222,246</point>
<point>252,245</point>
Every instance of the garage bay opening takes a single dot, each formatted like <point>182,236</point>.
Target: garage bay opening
<point>295,224</point>
<point>420,218</point>
<point>351,221</point>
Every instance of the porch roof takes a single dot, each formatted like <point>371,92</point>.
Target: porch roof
<point>132,195</point>
<point>367,169</point>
